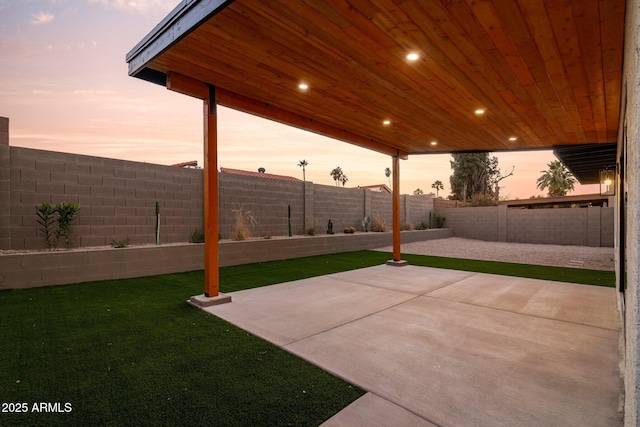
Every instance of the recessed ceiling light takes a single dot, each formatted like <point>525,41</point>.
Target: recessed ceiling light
<point>513,138</point>
<point>386,122</point>
<point>413,56</point>
<point>303,86</point>
<point>434,143</point>
<point>479,111</point>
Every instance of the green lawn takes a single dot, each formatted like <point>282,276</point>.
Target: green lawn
<point>132,352</point>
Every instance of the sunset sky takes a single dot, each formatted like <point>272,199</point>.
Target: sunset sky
<point>64,87</point>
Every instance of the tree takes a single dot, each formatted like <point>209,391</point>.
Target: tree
<point>438,186</point>
<point>344,179</point>
<point>387,173</point>
<point>336,174</point>
<point>557,179</point>
<point>303,164</point>
<point>497,176</point>
<point>418,191</point>
<point>476,176</point>
<point>470,175</point>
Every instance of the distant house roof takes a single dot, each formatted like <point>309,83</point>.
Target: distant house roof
<point>377,187</point>
<point>592,199</point>
<point>192,164</point>
<point>258,174</point>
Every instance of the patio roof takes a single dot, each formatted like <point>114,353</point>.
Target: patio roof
<point>547,73</point>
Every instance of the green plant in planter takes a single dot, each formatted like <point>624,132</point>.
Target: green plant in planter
<point>439,220</point>
<point>421,226</point>
<point>365,223</point>
<point>46,219</point>
<point>197,236</point>
<point>66,214</point>
<point>120,244</point>
<point>329,227</point>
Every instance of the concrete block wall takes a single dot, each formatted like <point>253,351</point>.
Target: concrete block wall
<point>473,223</point>
<point>607,225</point>
<point>344,206</point>
<point>382,204</point>
<point>582,227</point>
<point>549,226</point>
<point>267,199</point>
<point>5,185</point>
<point>117,198</point>
<point>417,208</point>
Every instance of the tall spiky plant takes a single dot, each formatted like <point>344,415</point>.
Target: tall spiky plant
<point>244,219</point>
<point>46,219</point>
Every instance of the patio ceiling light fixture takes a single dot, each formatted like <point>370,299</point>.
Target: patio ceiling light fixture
<point>479,112</point>
<point>303,86</point>
<point>608,181</point>
<point>386,122</point>
<point>413,56</point>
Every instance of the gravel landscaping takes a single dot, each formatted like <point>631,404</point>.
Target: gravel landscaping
<point>524,253</point>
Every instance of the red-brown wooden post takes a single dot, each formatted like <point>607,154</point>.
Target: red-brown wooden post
<point>211,228</point>
<point>396,207</point>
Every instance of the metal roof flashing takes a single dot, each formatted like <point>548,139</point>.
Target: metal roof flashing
<point>184,18</point>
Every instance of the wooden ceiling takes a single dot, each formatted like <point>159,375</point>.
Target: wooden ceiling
<point>546,72</point>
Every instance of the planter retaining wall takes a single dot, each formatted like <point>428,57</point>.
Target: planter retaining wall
<point>36,269</point>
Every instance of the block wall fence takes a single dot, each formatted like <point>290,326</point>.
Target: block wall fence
<point>591,226</point>
<point>118,200</point>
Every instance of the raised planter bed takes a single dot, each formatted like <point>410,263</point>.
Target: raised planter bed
<point>35,269</point>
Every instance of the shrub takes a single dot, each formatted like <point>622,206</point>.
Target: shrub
<point>379,224</point>
<point>316,228</point>
<point>56,222</point>
<point>197,236</point>
<point>46,218</point>
<point>244,219</point>
<point>119,244</point>
<point>66,215</point>
<point>409,226</point>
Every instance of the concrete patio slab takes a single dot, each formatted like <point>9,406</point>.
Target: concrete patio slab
<point>288,312</point>
<point>411,279</point>
<point>450,348</point>
<point>587,305</point>
<point>373,411</point>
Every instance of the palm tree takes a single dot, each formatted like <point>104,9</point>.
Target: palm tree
<point>303,164</point>
<point>387,173</point>
<point>344,179</point>
<point>418,191</point>
<point>336,174</point>
<point>557,179</point>
<point>438,186</point>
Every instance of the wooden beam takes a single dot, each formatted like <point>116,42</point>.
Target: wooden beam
<point>267,111</point>
<point>211,227</point>
<point>187,86</point>
<point>396,207</point>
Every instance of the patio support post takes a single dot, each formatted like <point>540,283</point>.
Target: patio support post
<point>396,207</point>
<point>211,227</point>
<point>207,93</point>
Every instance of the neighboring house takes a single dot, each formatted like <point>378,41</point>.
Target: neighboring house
<point>258,174</point>
<point>380,188</point>
<point>188,165</point>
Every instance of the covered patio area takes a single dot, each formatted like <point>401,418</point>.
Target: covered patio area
<point>450,348</point>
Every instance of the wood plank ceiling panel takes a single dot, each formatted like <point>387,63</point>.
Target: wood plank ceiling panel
<point>546,72</point>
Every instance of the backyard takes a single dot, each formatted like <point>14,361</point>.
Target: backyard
<point>133,352</point>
